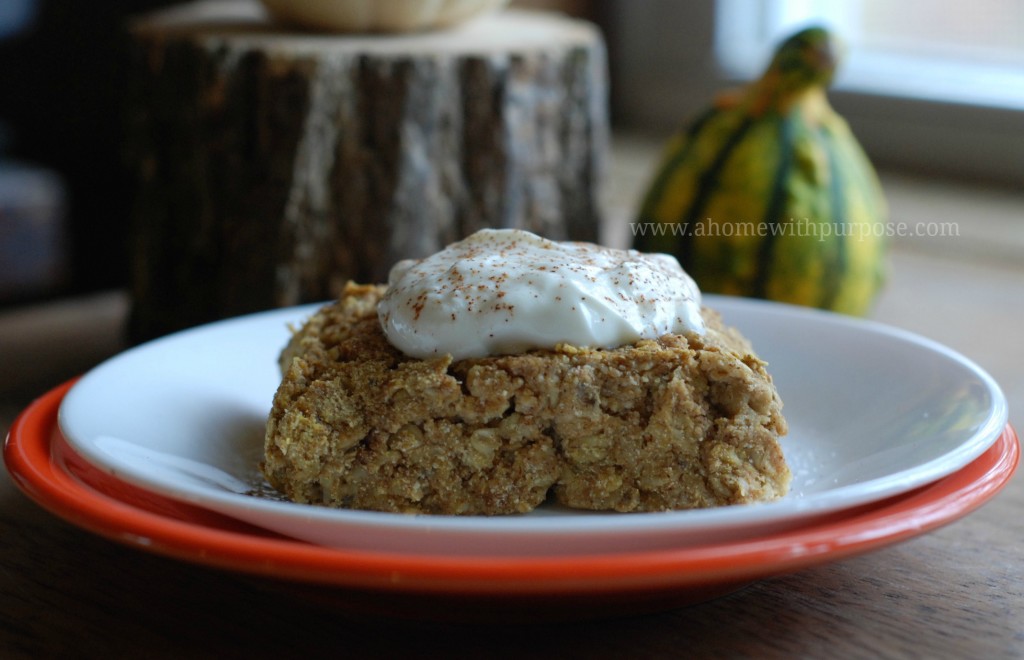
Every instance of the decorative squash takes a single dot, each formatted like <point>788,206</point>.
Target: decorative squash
<point>769,195</point>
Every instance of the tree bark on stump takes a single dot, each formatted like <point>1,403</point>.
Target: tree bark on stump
<point>273,166</point>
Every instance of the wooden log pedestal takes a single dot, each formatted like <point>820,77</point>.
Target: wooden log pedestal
<point>274,165</point>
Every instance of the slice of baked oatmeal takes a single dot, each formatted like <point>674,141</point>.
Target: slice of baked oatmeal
<point>683,421</point>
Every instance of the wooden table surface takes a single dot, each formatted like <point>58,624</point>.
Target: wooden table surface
<point>957,592</point>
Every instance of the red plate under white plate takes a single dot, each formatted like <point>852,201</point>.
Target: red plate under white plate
<point>556,586</point>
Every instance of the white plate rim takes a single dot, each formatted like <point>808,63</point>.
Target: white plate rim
<point>494,532</point>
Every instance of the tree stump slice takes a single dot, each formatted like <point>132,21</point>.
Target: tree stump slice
<point>272,166</point>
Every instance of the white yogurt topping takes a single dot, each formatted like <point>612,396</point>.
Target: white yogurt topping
<point>505,291</point>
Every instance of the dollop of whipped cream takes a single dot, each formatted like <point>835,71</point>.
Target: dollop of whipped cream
<point>503,291</point>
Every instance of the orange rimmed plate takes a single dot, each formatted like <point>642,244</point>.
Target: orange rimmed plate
<point>53,475</point>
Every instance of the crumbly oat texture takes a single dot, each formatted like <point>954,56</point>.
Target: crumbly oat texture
<point>682,422</point>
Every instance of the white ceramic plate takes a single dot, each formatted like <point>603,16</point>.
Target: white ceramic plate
<point>873,412</point>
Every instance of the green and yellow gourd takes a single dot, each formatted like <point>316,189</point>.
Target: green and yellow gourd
<point>769,195</point>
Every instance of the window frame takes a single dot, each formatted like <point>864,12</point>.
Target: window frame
<point>668,62</point>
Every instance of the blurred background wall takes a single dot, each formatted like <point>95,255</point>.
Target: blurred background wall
<point>62,71</point>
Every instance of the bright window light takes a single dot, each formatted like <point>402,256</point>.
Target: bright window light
<point>937,50</point>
